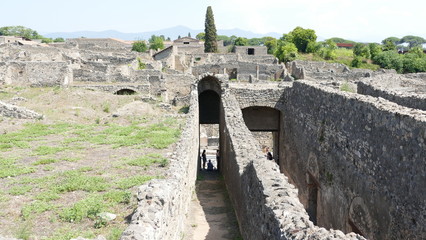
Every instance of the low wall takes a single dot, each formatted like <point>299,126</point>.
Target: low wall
<point>365,155</point>
<point>411,100</point>
<point>35,74</point>
<point>163,204</point>
<point>12,111</point>
<point>266,204</point>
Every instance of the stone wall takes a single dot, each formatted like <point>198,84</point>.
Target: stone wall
<point>256,50</point>
<point>12,111</point>
<point>163,204</point>
<point>265,203</point>
<point>363,155</point>
<point>35,74</point>
<point>403,92</point>
<point>243,71</point>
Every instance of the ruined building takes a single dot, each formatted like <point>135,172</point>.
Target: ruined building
<point>350,145</point>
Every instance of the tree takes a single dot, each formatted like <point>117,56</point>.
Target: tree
<point>156,42</point>
<point>390,60</point>
<point>286,51</point>
<point>271,44</point>
<point>389,46</point>
<point>393,40</point>
<point>413,41</point>
<point>361,50</point>
<point>20,31</point>
<point>328,50</point>
<point>189,34</point>
<point>341,40</point>
<point>58,40</point>
<point>240,41</point>
<point>210,44</point>
<point>139,46</point>
<point>301,38</point>
<point>375,49</point>
<point>200,36</point>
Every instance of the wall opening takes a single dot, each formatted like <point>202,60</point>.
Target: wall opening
<point>250,51</point>
<point>209,111</point>
<point>125,91</point>
<point>264,122</point>
<point>312,205</point>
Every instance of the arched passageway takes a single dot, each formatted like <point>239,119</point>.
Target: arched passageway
<point>125,91</point>
<point>211,214</point>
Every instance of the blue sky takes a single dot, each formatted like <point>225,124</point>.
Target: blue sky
<point>360,20</point>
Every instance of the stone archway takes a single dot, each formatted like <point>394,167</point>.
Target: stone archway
<point>125,91</point>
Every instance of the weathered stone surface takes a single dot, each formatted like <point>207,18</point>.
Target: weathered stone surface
<point>12,111</point>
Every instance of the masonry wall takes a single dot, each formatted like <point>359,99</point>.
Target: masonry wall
<point>163,204</point>
<point>412,100</point>
<point>266,204</point>
<point>35,74</point>
<point>366,156</point>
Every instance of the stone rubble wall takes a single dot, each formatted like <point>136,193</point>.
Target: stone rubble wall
<point>246,71</point>
<point>30,54</point>
<point>327,71</point>
<point>35,74</point>
<point>266,204</point>
<point>163,204</point>
<point>404,92</point>
<point>12,111</point>
<point>366,154</point>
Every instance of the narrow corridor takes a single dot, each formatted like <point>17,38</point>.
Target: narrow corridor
<point>211,216</point>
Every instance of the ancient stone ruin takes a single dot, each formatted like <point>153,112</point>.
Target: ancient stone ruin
<point>349,145</point>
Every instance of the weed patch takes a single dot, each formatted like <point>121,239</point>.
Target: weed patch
<point>148,160</point>
<point>74,180</point>
<point>127,183</point>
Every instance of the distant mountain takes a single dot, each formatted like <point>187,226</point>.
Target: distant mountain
<point>172,32</point>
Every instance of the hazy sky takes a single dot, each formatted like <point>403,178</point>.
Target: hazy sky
<point>361,20</point>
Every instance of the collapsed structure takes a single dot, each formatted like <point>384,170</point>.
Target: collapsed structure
<point>350,145</point>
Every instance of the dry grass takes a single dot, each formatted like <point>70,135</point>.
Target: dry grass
<point>59,173</point>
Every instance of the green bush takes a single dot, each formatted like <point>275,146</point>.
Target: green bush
<point>139,46</point>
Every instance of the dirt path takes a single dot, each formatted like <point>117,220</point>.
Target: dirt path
<point>211,216</point>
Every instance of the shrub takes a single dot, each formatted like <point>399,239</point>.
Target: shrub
<point>139,46</point>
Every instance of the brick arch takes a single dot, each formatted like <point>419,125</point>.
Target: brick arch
<point>125,91</point>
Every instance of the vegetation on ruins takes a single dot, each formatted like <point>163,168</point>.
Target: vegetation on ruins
<point>210,43</point>
<point>240,41</point>
<point>62,173</point>
<point>139,46</point>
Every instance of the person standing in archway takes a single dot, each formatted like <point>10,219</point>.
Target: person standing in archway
<point>204,158</point>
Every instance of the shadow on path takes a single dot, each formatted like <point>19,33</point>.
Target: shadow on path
<point>211,216</point>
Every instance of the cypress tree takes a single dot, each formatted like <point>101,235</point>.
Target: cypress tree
<point>210,44</point>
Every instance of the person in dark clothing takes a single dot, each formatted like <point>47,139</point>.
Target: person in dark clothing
<point>204,158</point>
<point>210,166</point>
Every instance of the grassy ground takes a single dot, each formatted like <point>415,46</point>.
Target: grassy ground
<point>344,56</point>
<point>58,174</point>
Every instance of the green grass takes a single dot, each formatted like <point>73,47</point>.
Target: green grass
<point>344,56</point>
<point>36,207</point>
<point>346,87</point>
<point>115,233</point>
<point>8,168</point>
<point>47,150</point>
<point>45,161</point>
<point>47,196</point>
<point>89,207</point>
<point>116,196</point>
<point>148,160</point>
<point>127,183</point>
<point>20,190</point>
<point>74,180</point>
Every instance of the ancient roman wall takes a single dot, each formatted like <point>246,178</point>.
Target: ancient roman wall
<point>404,98</point>
<point>244,70</point>
<point>359,160</point>
<point>35,74</point>
<point>163,204</point>
<point>12,111</point>
<point>266,204</point>
<point>30,53</point>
